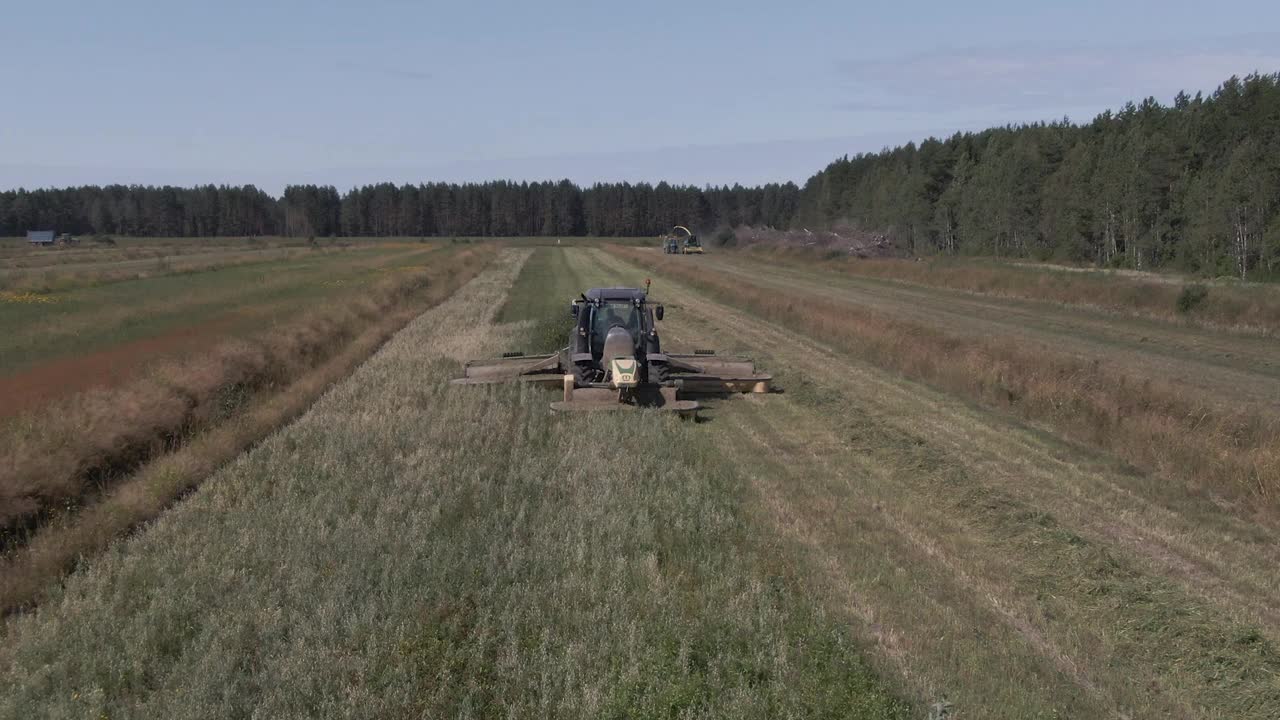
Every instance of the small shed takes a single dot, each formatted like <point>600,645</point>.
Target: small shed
<point>40,237</point>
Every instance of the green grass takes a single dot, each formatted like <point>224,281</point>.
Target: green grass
<point>542,294</point>
<point>242,299</point>
<point>414,549</point>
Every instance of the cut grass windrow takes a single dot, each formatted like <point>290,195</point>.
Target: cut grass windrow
<point>988,562</point>
<point>60,278</point>
<point>202,412</point>
<point>1234,456</point>
<point>88,319</point>
<point>409,548</point>
<point>1232,370</point>
<point>1252,308</point>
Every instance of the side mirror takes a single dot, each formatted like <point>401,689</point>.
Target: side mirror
<point>573,309</point>
<point>657,312</point>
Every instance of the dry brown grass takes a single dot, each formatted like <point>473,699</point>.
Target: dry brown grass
<point>1253,308</point>
<point>214,405</point>
<point>1235,456</point>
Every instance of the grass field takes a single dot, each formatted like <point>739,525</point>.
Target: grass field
<point>991,562</point>
<point>41,271</point>
<point>1221,303</point>
<point>1191,403</point>
<point>872,541</point>
<point>137,389</point>
<point>234,300</point>
<point>156,346</point>
<point>424,550</point>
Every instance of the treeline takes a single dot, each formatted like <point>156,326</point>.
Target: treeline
<point>1195,186</point>
<point>476,209</point>
<point>201,211</point>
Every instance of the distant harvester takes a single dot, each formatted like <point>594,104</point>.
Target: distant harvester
<point>41,237</point>
<point>48,238</point>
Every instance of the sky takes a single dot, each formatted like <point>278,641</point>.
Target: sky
<point>271,93</point>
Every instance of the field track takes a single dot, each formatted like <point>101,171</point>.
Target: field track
<point>408,548</point>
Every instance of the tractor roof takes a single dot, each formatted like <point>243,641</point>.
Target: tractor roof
<point>616,294</point>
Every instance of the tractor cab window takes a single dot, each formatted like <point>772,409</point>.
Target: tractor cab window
<point>608,315</point>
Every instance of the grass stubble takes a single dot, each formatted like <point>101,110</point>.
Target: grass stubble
<point>1228,304</point>
<point>1232,455</point>
<point>988,562</point>
<point>407,548</point>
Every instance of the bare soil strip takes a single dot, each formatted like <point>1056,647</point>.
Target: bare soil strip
<point>36,386</point>
<point>990,563</point>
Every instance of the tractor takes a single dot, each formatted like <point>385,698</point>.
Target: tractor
<point>681,241</point>
<point>615,360</point>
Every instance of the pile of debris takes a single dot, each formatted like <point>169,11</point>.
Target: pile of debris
<point>845,240</point>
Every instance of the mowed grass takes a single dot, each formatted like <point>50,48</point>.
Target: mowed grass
<point>1230,451</point>
<point>988,562</point>
<point>414,549</point>
<point>44,282</point>
<point>17,253</point>
<point>227,301</point>
<point>542,294</point>
<point>1226,302</point>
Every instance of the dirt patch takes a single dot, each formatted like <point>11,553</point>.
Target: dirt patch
<point>29,389</point>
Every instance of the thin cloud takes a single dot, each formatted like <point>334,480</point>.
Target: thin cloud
<point>1027,78</point>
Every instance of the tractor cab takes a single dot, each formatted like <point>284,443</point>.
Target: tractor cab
<point>614,322</point>
<point>609,315</point>
<point>615,329</point>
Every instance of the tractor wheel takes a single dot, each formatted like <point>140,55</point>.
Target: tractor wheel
<point>581,375</point>
<point>659,373</point>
